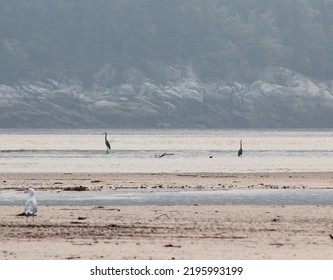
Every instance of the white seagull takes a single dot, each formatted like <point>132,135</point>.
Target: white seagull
<point>31,204</point>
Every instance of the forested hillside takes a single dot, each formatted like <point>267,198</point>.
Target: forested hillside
<point>220,39</point>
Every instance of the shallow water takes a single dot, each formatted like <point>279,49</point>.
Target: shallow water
<point>161,197</point>
<point>192,151</point>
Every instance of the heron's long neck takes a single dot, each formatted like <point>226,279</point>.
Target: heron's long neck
<point>241,144</point>
<point>105,136</point>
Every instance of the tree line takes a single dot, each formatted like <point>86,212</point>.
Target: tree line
<point>220,39</point>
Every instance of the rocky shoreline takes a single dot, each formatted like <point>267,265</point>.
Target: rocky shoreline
<point>279,98</point>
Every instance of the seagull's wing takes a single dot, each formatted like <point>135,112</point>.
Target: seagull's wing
<point>30,207</point>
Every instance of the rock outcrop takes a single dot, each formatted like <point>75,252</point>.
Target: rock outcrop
<point>280,98</point>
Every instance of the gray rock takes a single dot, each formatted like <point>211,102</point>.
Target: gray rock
<point>280,98</point>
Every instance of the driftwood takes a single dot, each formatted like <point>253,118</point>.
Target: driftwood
<point>162,155</point>
<point>162,216</point>
<point>172,246</point>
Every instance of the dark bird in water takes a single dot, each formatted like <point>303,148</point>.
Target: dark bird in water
<point>240,151</point>
<point>107,143</point>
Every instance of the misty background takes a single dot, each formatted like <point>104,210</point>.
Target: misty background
<point>166,63</point>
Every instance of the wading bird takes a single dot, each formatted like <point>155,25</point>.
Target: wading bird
<point>31,204</point>
<point>107,143</point>
<point>240,151</point>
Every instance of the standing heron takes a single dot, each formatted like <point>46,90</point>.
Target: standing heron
<point>31,204</point>
<point>107,143</point>
<point>240,151</point>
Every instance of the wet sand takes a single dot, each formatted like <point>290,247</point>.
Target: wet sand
<point>167,232</point>
<point>100,181</point>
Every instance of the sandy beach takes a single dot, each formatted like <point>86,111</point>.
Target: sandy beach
<point>167,232</point>
<point>100,181</point>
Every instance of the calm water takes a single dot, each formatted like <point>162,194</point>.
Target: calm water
<point>202,197</point>
<point>134,151</point>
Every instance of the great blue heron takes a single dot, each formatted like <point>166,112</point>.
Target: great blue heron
<point>31,204</point>
<point>107,143</point>
<point>240,151</point>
